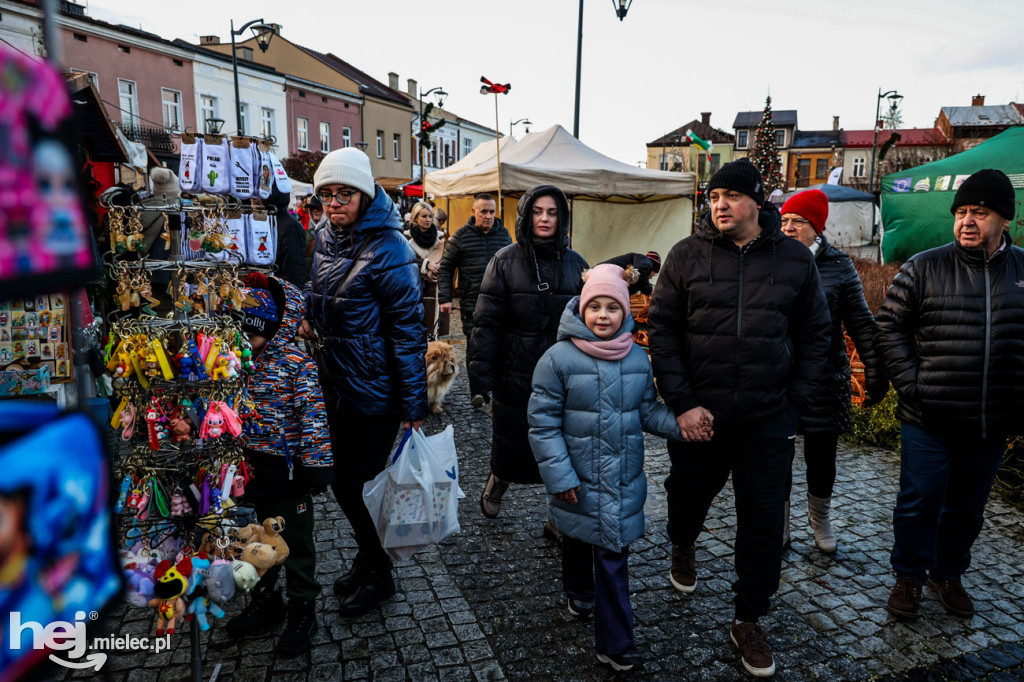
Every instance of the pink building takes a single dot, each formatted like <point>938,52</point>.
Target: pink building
<point>145,81</point>
<point>321,118</point>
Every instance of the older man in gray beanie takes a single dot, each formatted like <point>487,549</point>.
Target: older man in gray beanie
<point>363,301</point>
<point>949,332</point>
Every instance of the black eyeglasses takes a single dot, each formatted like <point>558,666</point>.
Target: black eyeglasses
<point>344,196</point>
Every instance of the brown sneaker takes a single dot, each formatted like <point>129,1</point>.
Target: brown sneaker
<point>684,568</point>
<point>755,655</point>
<point>953,597</point>
<point>905,599</point>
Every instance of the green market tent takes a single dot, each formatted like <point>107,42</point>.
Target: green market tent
<point>916,201</point>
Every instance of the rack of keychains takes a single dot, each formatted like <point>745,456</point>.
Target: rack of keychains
<point>182,410</point>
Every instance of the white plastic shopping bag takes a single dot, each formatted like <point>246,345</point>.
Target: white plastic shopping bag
<point>400,502</point>
<point>437,453</point>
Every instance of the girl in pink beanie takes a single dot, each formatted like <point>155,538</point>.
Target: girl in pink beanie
<point>593,397</point>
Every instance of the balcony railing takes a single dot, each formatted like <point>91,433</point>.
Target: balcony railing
<point>155,139</point>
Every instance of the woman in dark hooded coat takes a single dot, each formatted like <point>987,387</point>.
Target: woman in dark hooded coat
<point>524,291</point>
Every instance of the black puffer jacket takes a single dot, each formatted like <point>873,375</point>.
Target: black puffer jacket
<point>515,322</point>
<point>643,265</point>
<point>741,332</point>
<point>830,410</point>
<point>951,334</point>
<point>469,251</point>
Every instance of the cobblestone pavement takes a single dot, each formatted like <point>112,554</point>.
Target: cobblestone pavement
<point>487,604</point>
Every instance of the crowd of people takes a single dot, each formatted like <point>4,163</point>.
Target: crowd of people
<point>746,321</point>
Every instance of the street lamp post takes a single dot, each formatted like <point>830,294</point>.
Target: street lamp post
<point>621,8</point>
<point>263,33</point>
<point>894,99</point>
<point>440,96</point>
<point>525,121</point>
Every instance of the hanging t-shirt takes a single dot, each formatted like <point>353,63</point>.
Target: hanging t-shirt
<point>216,158</point>
<point>261,239</point>
<point>241,169</point>
<point>191,163</point>
<point>284,183</point>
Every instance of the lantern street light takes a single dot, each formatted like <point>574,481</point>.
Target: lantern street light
<point>263,32</point>
<point>440,96</point>
<point>894,101</point>
<point>524,121</point>
<point>621,8</point>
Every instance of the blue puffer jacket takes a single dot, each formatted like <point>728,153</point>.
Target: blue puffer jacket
<point>586,422</point>
<point>373,324</point>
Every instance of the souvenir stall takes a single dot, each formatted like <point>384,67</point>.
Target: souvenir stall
<point>177,361</point>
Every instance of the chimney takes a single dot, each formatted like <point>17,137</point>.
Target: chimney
<point>276,28</point>
<point>705,118</point>
<point>835,123</point>
<point>411,86</point>
<point>209,40</point>
<point>392,80</point>
<point>978,101</point>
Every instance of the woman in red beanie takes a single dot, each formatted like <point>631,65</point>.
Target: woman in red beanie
<point>803,218</point>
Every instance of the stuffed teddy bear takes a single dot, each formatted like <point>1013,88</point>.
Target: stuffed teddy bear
<point>272,528</point>
<point>260,555</point>
<point>171,584</point>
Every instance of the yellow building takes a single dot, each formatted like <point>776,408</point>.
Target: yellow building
<point>675,152</point>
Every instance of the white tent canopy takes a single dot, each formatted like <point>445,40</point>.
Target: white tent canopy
<point>617,208</point>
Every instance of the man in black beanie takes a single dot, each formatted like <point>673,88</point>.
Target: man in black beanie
<point>949,332</point>
<point>739,332</point>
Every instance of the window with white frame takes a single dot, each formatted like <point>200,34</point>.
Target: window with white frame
<point>396,147</point>
<point>346,136</point>
<point>172,108</point>
<point>467,146</point>
<point>325,136</point>
<point>859,164</point>
<point>92,76</point>
<point>741,139</point>
<point>246,126</point>
<point>267,125</point>
<point>380,144</point>
<point>302,132</point>
<point>207,110</point>
<point>129,101</point>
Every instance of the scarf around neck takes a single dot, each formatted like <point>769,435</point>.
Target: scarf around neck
<point>610,349</point>
<point>425,240</point>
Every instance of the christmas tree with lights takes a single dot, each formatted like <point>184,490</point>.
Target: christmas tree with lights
<point>765,153</point>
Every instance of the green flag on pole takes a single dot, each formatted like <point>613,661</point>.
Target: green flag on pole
<point>703,144</point>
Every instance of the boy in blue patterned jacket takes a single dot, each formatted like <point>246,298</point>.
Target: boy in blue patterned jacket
<point>290,458</point>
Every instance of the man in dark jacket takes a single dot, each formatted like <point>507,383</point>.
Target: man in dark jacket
<point>469,251</point>
<point>739,334</point>
<point>645,266</point>
<point>949,332</point>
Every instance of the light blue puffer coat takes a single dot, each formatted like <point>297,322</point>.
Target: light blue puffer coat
<point>586,421</point>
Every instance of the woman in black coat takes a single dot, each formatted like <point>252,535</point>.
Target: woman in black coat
<point>525,288</point>
<point>803,218</point>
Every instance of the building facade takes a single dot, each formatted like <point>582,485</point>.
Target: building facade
<point>913,147</point>
<point>675,152</point>
<point>21,27</point>
<point>966,127</point>
<point>813,155</point>
<point>745,129</point>
<point>320,119</point>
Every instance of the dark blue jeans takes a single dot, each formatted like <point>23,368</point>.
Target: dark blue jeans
<point>595,574</point>
<point>944,484</point>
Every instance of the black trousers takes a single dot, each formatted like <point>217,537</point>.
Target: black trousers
<point>361,444</point>
<point>300,566</point>
<point>595,574</point>
<point>820,457</point>
<point>467,330</point>
<point>758,456</point>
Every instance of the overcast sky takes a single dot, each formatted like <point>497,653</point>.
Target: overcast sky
<point>668,61</point>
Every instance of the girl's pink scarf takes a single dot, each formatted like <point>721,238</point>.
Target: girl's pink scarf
<point>612,349</point>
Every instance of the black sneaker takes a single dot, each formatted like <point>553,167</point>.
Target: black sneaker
<point>265,610</point>
<point>294,641</point>
<point>346,585</point>
<point>683,573</point>
<point>622,662</point>
<point>378,586</point>
<point>580,609</point>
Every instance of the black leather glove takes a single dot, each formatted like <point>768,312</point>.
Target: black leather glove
<point>874,394</point>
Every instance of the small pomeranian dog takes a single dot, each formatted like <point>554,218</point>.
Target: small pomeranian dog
<point>442,368</point>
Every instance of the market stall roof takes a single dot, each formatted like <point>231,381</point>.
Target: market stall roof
<point>837,193</point>
<point>391,183</point>
<point>98,134</point>
<point>554,157</point>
